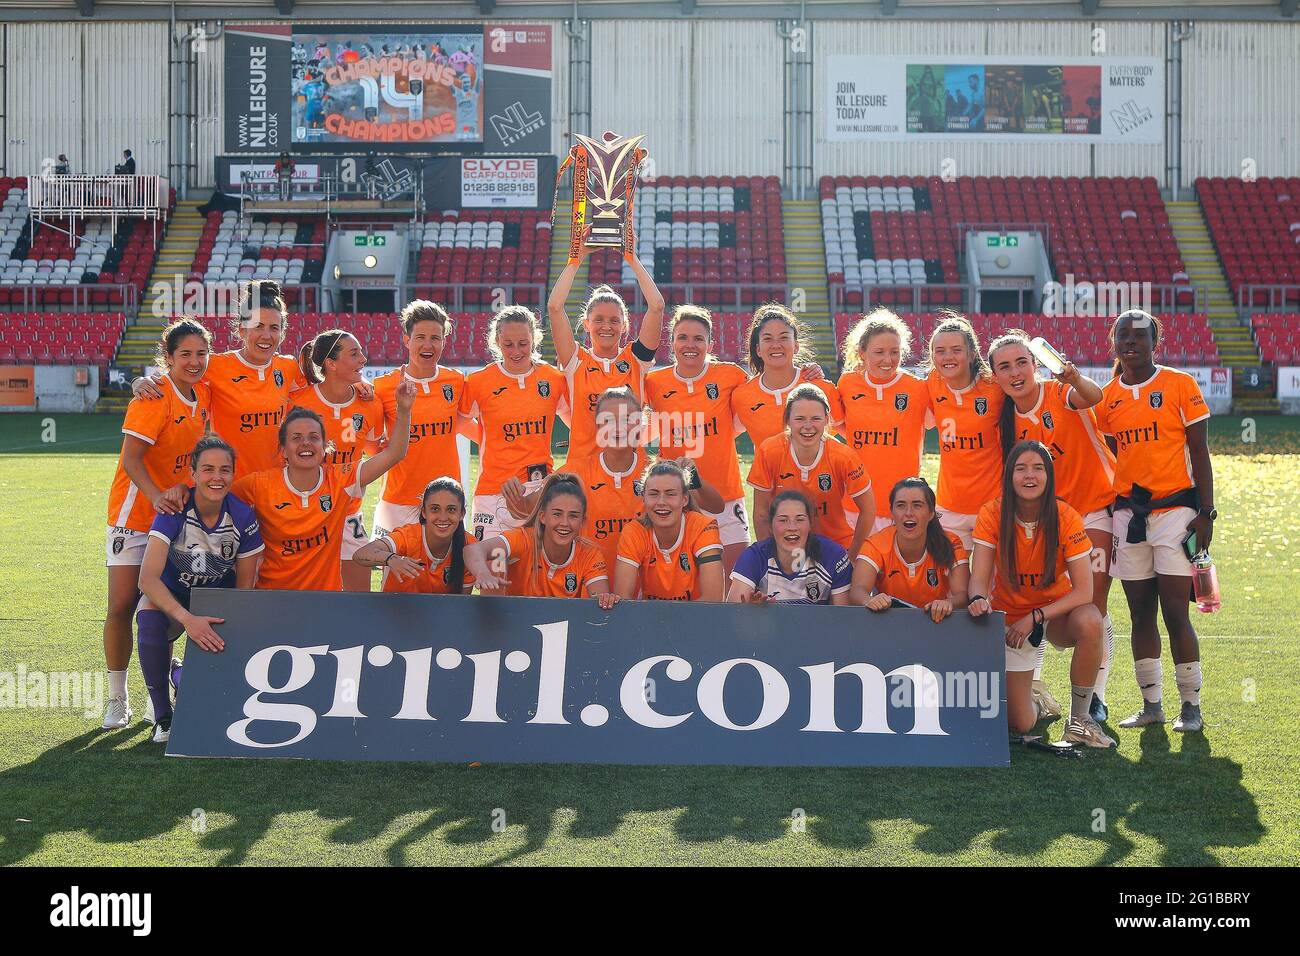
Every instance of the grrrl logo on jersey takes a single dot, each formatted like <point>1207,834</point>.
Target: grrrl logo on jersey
<point>622,366</point>
<point>1157,399</point>
<point>824,482</point>
<point>981,406</point>
<point>685,561</point>
<point>358,422</point>
<point>447,393</point>
<point>326,503</point>
<point>932,577</point>
<point>711,390</point>
<point>1047,420</point>
<point>544,389</point>
<point>900,401</point>
<point>279,378</point>
<point>571,582</point>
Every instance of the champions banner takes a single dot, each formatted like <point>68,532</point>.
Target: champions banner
<point>535,680</point>
<point>383,88</point>
<point>1082,100</point>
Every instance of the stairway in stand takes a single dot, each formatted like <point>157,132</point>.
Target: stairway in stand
<point>170,273</point>
<point>805,264</point>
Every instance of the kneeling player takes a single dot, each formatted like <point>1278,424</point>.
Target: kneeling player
<point>791,565</point>
<point>428,556</point>
<point>213,542</point>
<point>1033,549</point>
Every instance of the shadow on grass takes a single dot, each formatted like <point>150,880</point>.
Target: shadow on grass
<point>1188,800</point>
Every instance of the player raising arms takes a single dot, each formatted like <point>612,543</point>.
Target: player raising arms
<point>608,363</point>
<point>515,400</point>
<point>1059,414</point>
<point>434,421</point>
<point>1164,492</point>
<point>1031,548</point>
<point>886,408</point>
<point>332,364</point>
<point>672,552</point>
<point>826,472</point>
<point>914,560</point>
<point>966,404</point>
<point>303,507</point>
<point>792,565</point>
<point>546,556</point>
<point>157,438</point>
<point>213,542</point>
<point>691,401</point>
<point>427,557</point>
<point>781,359</point>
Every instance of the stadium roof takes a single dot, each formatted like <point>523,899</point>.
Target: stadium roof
<point>354,10</point>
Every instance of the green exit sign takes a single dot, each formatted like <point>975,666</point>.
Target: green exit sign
<point>370,240</point>
<point>998,241</point>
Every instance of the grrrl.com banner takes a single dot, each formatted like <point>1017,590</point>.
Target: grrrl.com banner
<point>1081,99</point>
<point>536,680</point>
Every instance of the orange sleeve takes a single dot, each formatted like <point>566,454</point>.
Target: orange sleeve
<point>407,543</point>
<point>466,405</point>
<point>1074,539</point>
<point>958,550</point>
<point>872,553</point>
<point>245,489</point>
<point>631,543</point>
<point>760,472</point>
<point>1100,412</point>
<point>986,525</point>
<point>594,566</point>
<point>856,479</point>
<point>518,541</point>
<point>1191,403</point>
<point>707,539</point>
<point>145,419</point>
<point>833,399</point>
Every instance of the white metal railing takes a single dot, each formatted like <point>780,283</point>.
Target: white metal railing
<point>145,197</point>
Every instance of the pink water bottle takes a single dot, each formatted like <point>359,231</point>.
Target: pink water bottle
<point>1205,583</point>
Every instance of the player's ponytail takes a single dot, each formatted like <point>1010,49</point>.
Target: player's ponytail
<point>456,573</point>
<point>937,541</point>
<point>1007,418</point>
<point>312,356</point>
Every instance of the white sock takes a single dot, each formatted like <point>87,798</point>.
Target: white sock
<point>1107,655</point>
<point>117,684</point>
<point>1188,678</point>
<point>1150,678</point>
<point>1080,700</point>
<point>1038,665</point>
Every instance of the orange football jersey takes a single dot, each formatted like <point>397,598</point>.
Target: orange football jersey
<point>612,500</point>
<point>303,531</point>
<point>885,425</point>
<point>349,426</point>
<point>693,417</point>
<point>1072,543</point>
<point>1149,422</point>
<point>1082,462</point>
<point>673,574</point>
<point>588,376</point>
<point>171,427</point>
<point>248,404</point>
<point>834,475</point>
<point>917,584</point>
<point>761,410</point>
<point>572,579</point>
<point>970,444</point>
<point>408,541</point>
<point>432,452</point>
<point>517,413</point>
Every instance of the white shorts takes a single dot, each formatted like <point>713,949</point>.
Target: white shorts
<point>1022,658</point>
<point>492,516</point>
<point>733,523</point>
<point>1160,553</point>
<point>1099,520</point>
<point>963,526</point>
<point>354,536</point>
<point>390,517</point>
<point>124,546</point>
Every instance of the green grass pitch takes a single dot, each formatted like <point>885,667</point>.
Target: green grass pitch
<point>75,795</point>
